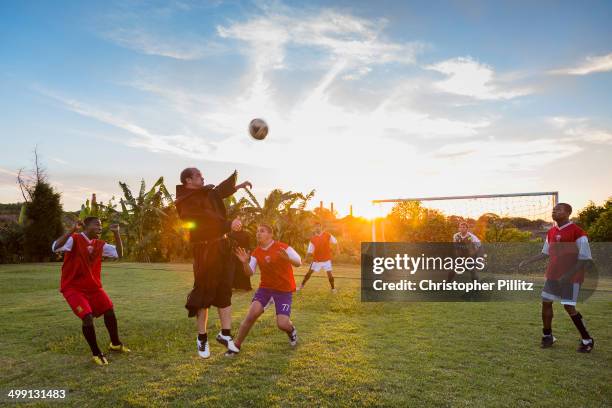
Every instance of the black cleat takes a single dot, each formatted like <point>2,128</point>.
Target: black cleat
<point>547,341</point>
<point>586,348</point>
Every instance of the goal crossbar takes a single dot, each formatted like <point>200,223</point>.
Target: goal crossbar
<point>555,195</point>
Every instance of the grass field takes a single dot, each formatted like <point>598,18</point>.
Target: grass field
<point>350,353</point>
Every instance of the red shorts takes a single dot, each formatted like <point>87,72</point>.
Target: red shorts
<point>82,303</point>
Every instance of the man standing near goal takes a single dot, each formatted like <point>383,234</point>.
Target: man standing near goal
<point>320,248</point>
<point>568,252</point>
<point>467,245</point>
<point>276,261</point>
<point>203,209</point>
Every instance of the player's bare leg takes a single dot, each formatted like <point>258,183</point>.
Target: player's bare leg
<point>255,310</point>
<point>306,277</point>
<point>547,316</point>
<point>586,342</point>
<point>225,315</point>
<point>202,341</point>
<point>330,278</point>
<point>284,323</point>
<point>225,336</point>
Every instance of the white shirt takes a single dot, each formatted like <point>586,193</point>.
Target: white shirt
<point>109,251</point>
<point>293,256</point>
<point>474,239</point>
<point>311,248</point>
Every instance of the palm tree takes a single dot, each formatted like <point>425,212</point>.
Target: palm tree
<point>142,218</point>
<point>285,211</point>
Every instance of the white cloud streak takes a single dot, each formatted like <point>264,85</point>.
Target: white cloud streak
<point>468,77</point>
<point>591,64</point>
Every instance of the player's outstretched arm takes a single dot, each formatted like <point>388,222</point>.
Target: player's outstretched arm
<point>244,258</point>
<point>118,242</point>
<point>531,260</point>
<point>61,241</point>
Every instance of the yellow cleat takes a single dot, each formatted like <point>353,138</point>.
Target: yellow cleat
<point>120,348</point>
<point>100,360</point>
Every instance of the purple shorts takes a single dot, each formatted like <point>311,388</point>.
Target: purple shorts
<point>282,300</point>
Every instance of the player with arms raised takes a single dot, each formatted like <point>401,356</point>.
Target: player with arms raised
<point>275,260</point>
<point>567,248</point>
<point>81,284</point>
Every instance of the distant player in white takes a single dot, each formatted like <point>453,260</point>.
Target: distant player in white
<point>466,245</point>
<point>320,249</point>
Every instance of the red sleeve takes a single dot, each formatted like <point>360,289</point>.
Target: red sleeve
<point>578,232</point>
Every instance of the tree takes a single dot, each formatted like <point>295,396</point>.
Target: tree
<point>589,214</point>
<point>11,242</point>
<point>43,222</point>
<point>142,219</point>
<point>285,211</point>
<point>601,229</point>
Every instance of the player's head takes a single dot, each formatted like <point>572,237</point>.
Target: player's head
<point>264,234</point>
<point>561,212</point>
<point>92,227</point>
<point>463,227</point>
<point>191,177</point>
<point>318,228</point>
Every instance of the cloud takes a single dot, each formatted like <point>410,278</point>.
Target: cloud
<point>592,64</point>
<point>499,156</point>
<point>581,129</point>
<point>146,42</point>
<point>467,77</point>
<point>355,41</point>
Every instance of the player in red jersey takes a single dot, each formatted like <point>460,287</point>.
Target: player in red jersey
<point>321,250</point>
<point>81,284</point>
<point>275,260</point>
<point>568,252</point>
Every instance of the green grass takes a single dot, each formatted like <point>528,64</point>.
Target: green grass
<point>350,353</point>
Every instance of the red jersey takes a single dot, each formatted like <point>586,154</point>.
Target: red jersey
<point>276,273</point>
<point>82,264</point>
<point>322,248</point>
<point>563,251</point>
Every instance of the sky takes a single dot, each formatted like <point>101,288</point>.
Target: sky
<point>364,100</point>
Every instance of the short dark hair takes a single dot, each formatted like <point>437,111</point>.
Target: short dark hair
<point>89,220</point>
<point>463,223</point>
<point>267,227</point>
<point>567,207</point>
<point>187,173</point>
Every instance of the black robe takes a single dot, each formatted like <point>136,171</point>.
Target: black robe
<point>212,261</point>
<point>241,280</point>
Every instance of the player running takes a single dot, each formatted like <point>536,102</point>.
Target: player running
<point>567,248</point>
<point>275,260</point>
<point>81,284</point>
<point>320,248</point>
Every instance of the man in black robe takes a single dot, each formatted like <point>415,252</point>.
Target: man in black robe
<point>202,208</point>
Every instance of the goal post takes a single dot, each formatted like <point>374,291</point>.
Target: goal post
<point>533,205</point>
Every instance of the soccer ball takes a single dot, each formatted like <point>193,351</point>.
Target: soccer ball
<point>258,128</point>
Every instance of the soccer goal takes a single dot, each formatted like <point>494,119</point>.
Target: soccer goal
<point>529,207</point>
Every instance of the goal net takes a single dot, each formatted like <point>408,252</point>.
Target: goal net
<point>492,215</point>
